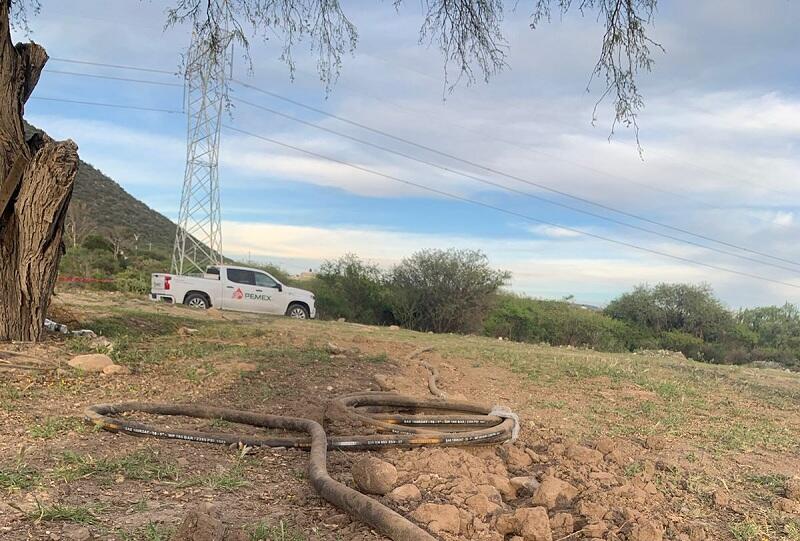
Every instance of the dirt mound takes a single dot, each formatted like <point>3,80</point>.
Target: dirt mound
<point>542,491</point>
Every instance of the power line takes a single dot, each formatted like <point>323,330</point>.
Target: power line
<point>527,147</point>
<point>450,156</point>
<point>510,212</point>
<point>106,65</point>
<point>110,77</point>
<point>513,177</point>
<point>111,105</point>
<point>510,189</point>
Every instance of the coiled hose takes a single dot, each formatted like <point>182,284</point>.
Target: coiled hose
<point>399,421</point>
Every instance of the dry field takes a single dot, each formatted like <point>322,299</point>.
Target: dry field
<point>651,446</point>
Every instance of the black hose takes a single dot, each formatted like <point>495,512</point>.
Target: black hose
<point>465,424</point>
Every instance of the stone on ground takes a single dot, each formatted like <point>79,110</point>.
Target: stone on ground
<point>438,518</point>
<point>374,476</point>
<point>92,362</point>
<point>554,493</point>
<point>405,493</point>
<point>116,369</point>
<point>533,524</point>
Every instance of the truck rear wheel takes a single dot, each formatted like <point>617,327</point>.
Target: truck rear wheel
<point>297,311</point>
<point>196,300</point>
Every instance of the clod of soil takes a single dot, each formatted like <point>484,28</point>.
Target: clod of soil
<point>438,518</point>
<point>554,493</point>
<point>405,493</point>
<point>792,489</point>
<point>204,523</point>
<point>91,362</point>
<point>374,476</point>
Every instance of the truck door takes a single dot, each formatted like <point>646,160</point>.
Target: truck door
<point>272,295</point>
<point>239,292</point>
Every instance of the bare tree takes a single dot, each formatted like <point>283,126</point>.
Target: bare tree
<point>78,224</point>
<point>36,180</point>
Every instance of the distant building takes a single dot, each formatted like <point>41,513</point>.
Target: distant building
<point>306,275</point>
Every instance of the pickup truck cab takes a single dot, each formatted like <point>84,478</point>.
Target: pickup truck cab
<point>234,288</point>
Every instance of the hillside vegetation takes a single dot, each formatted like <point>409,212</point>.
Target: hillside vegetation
<point>101,206</point>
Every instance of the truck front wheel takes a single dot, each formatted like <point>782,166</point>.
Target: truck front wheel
<point>297,311</point>
<point>196,300</point>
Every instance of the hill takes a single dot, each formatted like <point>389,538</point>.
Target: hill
<point>108,210</point>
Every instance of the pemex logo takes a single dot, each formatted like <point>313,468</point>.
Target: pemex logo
<point>237,294</point>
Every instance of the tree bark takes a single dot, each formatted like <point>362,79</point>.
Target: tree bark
<point>36,180</point>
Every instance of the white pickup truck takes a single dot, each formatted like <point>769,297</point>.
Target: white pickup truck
<point>234,288</point>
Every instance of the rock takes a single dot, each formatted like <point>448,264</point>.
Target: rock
<point>697,532</point>
<point>503,486</point>
<point>786,505</point>
<point>525,484</point>
<point>605,445</point>
<point>592,512</point>
<point>438,518</point>
<point>598,529</point>
<point>203,523</point>
<point>405,493</point>
<point>647,530</point>
<point>74,532</point>
<point>92,362</point>
<point>334,349</point>
<point>490,492</point>
<point>116,369</point>
<point>554,492</point>
<point>655,443</point>
<point>562,525</point>
<point>341,320</point>
<point>516,459</point>
<point>480,505</point>
<point>186,331</point>
<point>394,328</point>
<point>584,455</point>
<point>721,499</point>
<point>506,524</point>
<point>533,524</point>
<point>374,476</point>
<point>792,489</point>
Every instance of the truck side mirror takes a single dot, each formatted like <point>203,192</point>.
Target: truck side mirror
<point>280,287</point>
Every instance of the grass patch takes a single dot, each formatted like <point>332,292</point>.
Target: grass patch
<point>379,358</point>
<point>79,514</point>
<point>772,482</point>
<point>226,481</point>
<point>19,476</point>
<point>53,426</point>
<point>141,466</point>
<point>263,531</point>
<point>748,530</point>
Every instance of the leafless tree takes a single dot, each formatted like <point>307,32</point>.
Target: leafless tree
<point>78,224</point>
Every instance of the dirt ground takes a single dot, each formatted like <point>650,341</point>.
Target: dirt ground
<point>634,447</point>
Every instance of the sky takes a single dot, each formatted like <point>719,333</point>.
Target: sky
<point>719,131</point>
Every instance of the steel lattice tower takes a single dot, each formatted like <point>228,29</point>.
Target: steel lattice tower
<point>198,239</point>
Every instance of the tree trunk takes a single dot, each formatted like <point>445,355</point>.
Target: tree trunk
<point>36,179</point>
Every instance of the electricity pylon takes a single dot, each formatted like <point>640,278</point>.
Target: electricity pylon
<point>198,239</point>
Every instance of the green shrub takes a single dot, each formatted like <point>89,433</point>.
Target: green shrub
<point>444,290</point>
<point>133,281</point>
<point>561,323</point>
<point>690,346</point>
<point>352,289</point>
